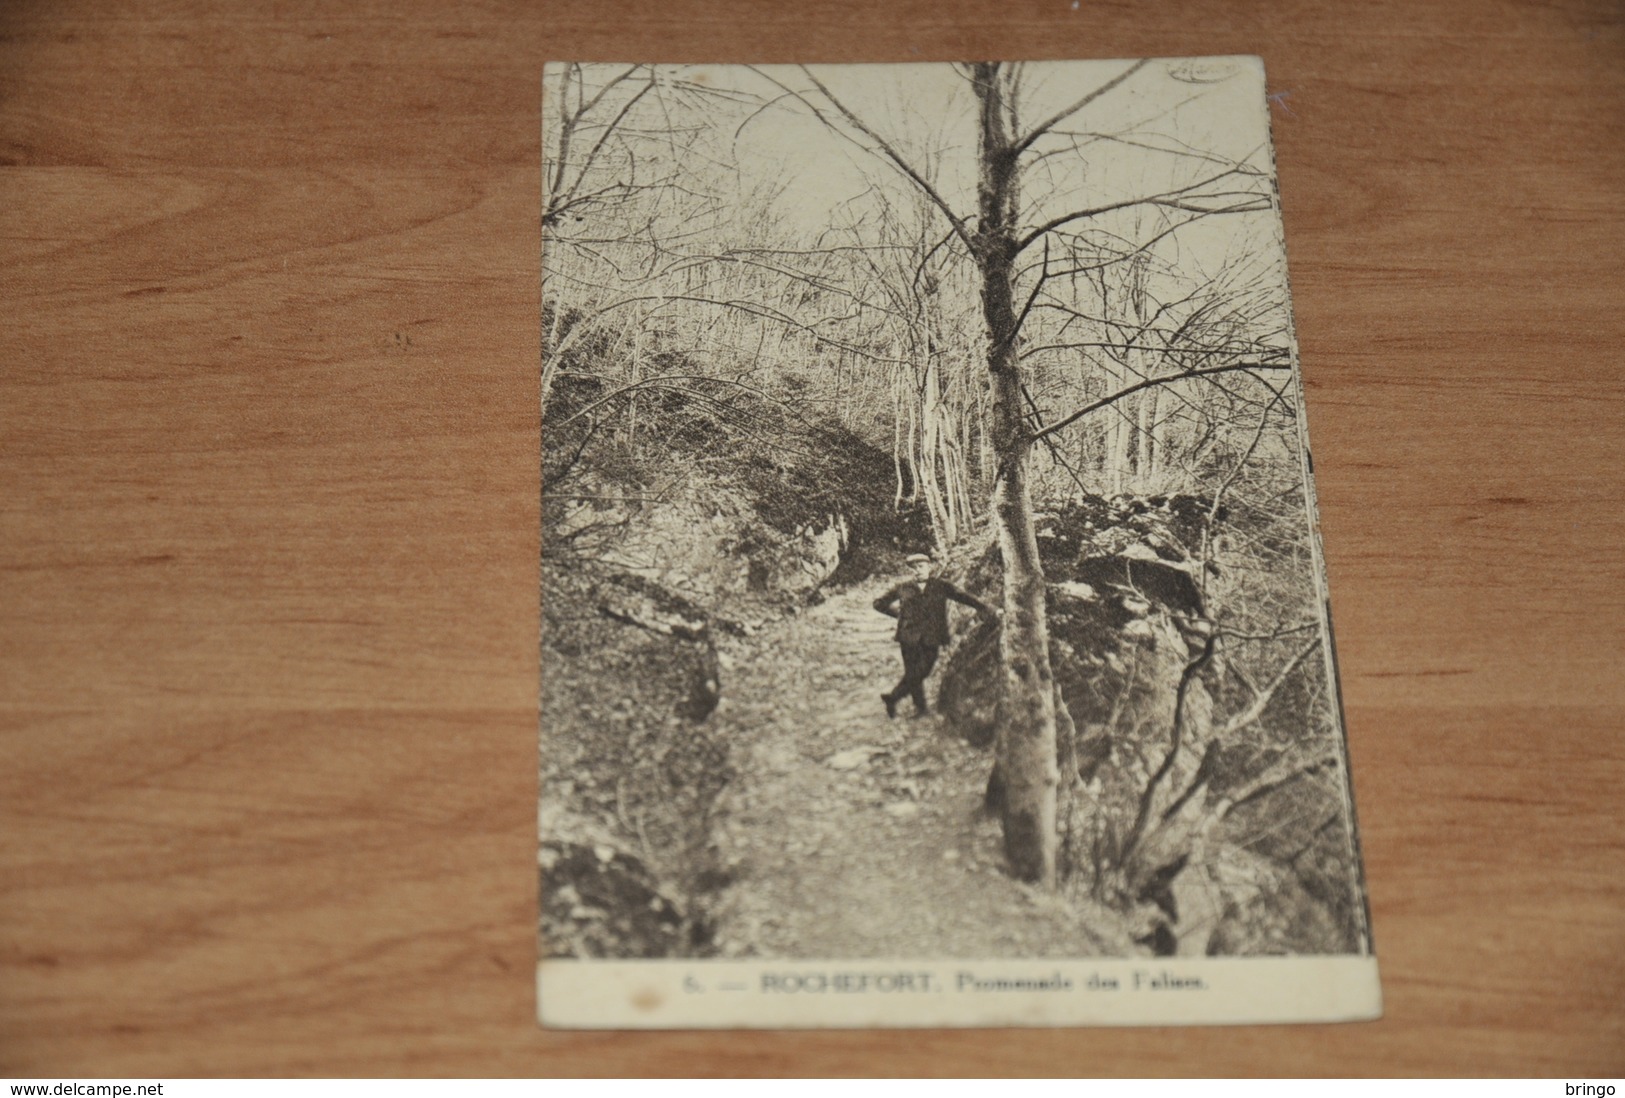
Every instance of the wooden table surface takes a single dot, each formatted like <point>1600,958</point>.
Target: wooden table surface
<point>268,523</point>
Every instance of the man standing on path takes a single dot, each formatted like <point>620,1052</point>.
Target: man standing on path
<point>920,606</point>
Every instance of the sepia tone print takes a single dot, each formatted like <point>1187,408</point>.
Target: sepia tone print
<point>930,567</point>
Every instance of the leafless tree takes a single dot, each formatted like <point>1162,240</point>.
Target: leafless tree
<point>999,236</point>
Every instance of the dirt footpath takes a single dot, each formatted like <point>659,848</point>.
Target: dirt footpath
<point>851,835</point>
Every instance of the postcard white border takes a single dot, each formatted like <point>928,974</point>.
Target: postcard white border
<point>710,994</point>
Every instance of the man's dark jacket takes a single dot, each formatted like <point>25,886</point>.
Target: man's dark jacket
<point>921,609</point>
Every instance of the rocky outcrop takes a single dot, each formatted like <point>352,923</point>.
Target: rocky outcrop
<point>630,764</point>
<point>672,513</point>
<point>1125,620</point>
<point>1155,770</point>
<point>708,542</point>
<point>602,902</point>
<point>637,587</point>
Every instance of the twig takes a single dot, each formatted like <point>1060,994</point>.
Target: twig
<point>1143,813</point>
<point>1138,386</point>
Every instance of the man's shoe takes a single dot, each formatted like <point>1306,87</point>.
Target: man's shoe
<point>891,705</point>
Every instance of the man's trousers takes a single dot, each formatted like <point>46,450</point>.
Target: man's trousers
<point>918,660</point>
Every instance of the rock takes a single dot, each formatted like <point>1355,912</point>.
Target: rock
<point>598,906</point>
<point>903,810</point>
<point>854,757</point>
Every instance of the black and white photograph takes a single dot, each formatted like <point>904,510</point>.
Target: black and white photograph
<point>934,623</point>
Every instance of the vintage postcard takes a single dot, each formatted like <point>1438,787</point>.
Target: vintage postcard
<point>934,626</point>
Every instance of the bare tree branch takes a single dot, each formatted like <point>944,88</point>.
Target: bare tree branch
<point>1049,443</point>
<point>1261,702</point>
<point>885,147</point>
<point>1151,382</point>
<point>659,381</point>
<point>1142,814</point>
<point>1043,276</point>
<point>569,122</point>
<point>592,154</point>
<point>1275,777</point>
<point>1177,199</point>
<point>1044,127</point>
<point>1284,631</point>
<point>1218,493</point>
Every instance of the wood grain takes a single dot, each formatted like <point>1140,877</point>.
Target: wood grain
<point>268,484</point>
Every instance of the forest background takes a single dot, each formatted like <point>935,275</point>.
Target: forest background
<point>1033,319</point>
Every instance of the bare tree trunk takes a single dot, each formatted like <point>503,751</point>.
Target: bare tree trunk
<point>1156,434</point>
<point>953,477</point>
<point>928,454</point>
<point>1118,438</point>
<point>550,357</point>
<point>897,396</point>
<point>1026,743</point>
<point>1142,437</point>
<point>968,452</point>
<point>633,372</point>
